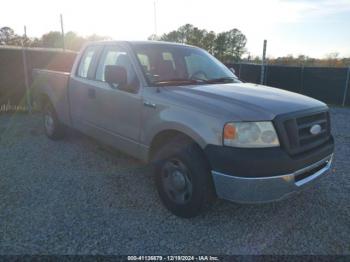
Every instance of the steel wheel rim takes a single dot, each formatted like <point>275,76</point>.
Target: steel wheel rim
<point>176,181</point>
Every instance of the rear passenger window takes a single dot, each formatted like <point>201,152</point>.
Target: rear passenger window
<point>86,61</point>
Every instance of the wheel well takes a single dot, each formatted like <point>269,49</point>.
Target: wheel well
<point>163,137</point>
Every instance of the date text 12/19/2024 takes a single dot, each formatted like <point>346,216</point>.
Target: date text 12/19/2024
<point>173,258</point>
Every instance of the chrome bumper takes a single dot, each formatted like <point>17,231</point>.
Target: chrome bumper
<point>267,189</point>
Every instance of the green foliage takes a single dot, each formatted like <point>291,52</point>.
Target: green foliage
<point>227,46</point>
<point>8,37</point>
<point>73,42</point>
<point>52,39</point>
<point>331,60</point>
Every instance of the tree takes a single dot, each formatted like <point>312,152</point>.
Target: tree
<point>35,42</point>
<point>220,46</point>
<point>332,59</point>
<point>230,45</point>
<point>153,37</point>
<point>94,37</point>
<point>236,42</point>
<point>181,35</point>
<point>188,34</point>
<point>8,37</point>
<point>72,41</point>
<point>209,41</point>
<point>185,32</point>
<point>52,39</point>
<point>173,36</point>
<point>195,37</point>
<point>227,46</point>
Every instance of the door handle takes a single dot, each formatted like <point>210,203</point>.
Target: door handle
<point>92,93</point>
<point>149,104</point>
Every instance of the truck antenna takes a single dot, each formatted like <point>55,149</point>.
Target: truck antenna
<point>155,21</point>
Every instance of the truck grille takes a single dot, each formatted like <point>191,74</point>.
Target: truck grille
<point>295,132</point>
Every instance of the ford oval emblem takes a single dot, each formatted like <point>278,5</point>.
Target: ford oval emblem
<point>315,129</point>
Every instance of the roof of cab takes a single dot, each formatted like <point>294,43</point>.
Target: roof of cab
<point>147,42</point>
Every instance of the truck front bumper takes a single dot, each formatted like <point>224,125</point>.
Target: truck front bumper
<point>267,189</point>
<point>265,175</point>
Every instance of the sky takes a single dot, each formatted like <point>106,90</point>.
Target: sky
<point>314,28</point>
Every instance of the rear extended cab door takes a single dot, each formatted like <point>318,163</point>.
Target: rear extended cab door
<point>82,91</point>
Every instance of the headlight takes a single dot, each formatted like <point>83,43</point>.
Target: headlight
<point>250,134</point>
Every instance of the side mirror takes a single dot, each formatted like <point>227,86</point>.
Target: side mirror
<point>116,75</point>
<point>234,72</point>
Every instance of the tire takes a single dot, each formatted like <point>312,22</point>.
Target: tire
<point>183,178</point>
<point>53,127</point>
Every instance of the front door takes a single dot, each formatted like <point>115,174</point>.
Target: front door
<point>118,111</point>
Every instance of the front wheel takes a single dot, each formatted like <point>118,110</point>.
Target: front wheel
<point>183,178</point>
<point>53,127</point>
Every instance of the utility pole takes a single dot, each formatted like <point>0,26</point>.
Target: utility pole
<point>263,63</point>
<point>155,20</point>
<point>62,30</point>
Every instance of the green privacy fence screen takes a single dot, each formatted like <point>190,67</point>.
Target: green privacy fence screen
<point>328,84</point>
<point>12,76</point>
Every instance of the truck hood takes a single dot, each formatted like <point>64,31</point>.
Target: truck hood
<point>244,101</point>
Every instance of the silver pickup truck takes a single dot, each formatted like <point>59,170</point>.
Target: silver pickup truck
<point>207,134</point>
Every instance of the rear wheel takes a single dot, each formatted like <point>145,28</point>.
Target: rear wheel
<point>183,178</point>
<point>53,127</point>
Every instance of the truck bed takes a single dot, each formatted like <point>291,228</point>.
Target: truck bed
<point>54,84</point>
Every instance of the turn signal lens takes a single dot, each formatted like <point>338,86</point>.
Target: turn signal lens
<point>230,131</point>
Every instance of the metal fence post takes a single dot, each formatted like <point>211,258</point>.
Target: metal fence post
<point>26,79</point>
<point>346,86</point>
<point>262,74</point>
<point>301,79</point>
<point>240,69</point>
<point>266,73</point>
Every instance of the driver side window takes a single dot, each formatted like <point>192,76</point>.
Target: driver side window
<point>114,55</point>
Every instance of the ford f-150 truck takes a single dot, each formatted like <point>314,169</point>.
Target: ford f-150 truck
<point>207,134</point>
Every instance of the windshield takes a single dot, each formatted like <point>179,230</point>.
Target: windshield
<point>166,64</point>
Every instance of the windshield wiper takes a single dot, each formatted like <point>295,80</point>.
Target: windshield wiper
<point>179,81</point>
<point>186,81</point>
<point>221,80</point>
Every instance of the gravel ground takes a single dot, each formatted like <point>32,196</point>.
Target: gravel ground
<point>76,196</point>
